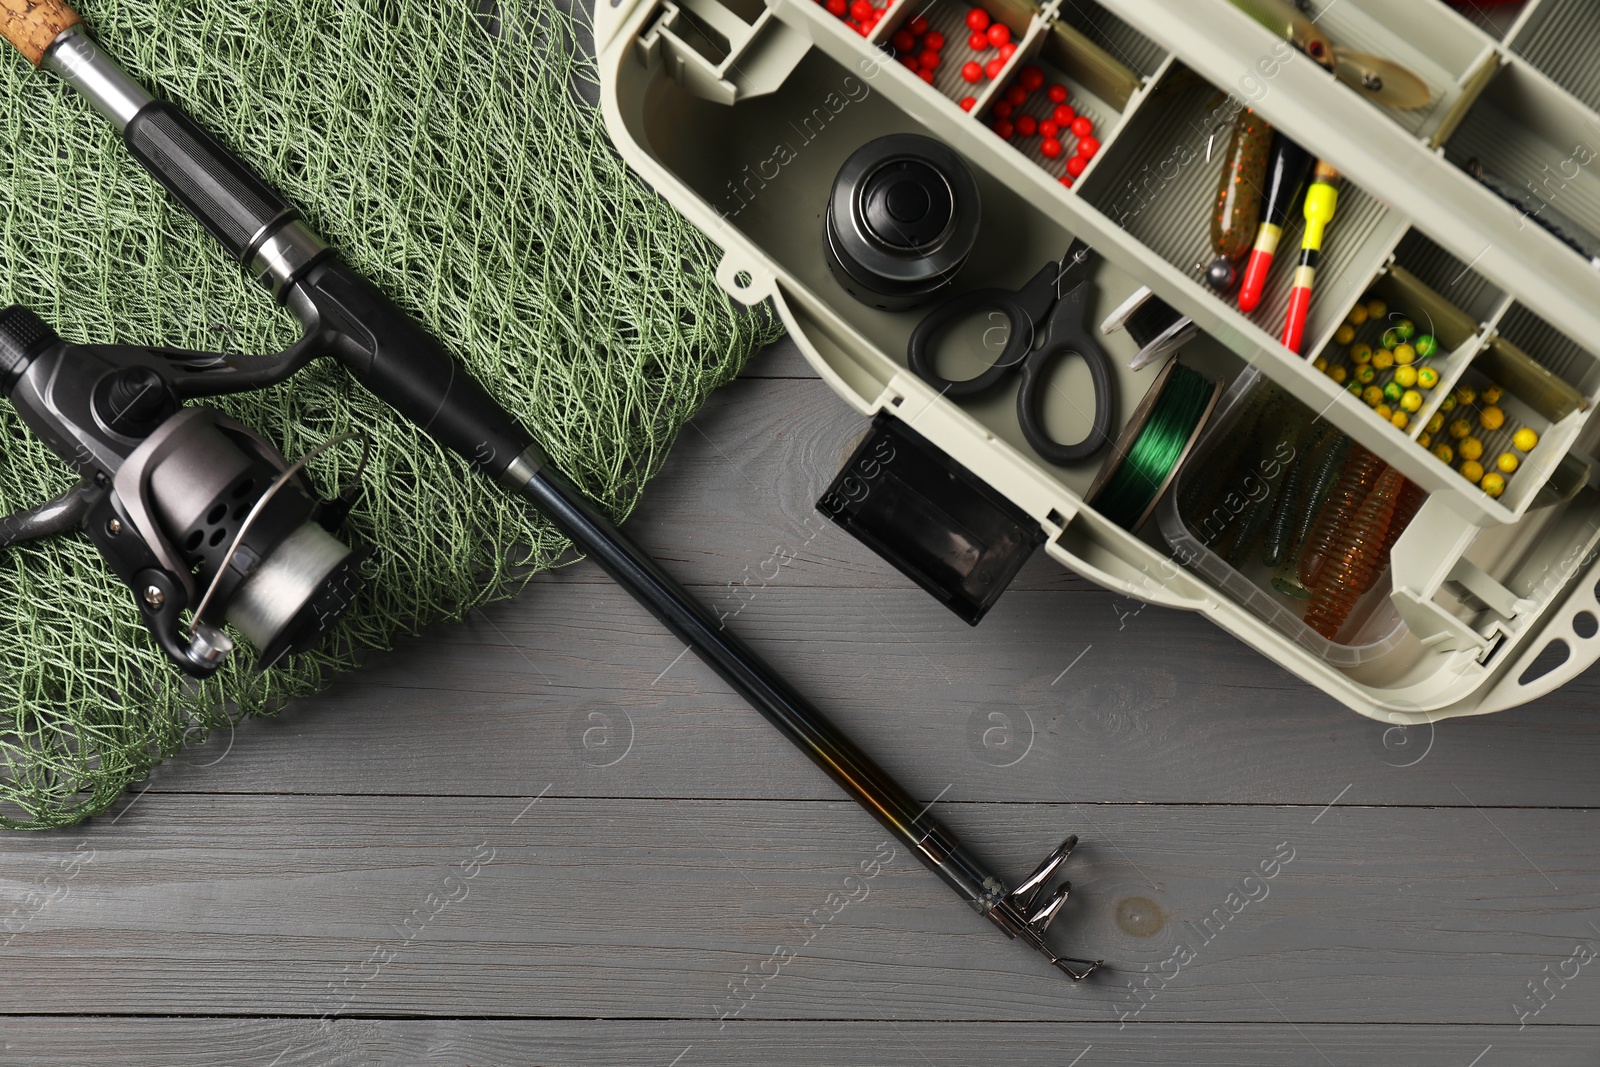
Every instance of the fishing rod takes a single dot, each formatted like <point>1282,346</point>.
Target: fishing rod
<point>109,409</point>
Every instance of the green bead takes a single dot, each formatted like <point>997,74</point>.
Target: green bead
<point>1392,392</point>
<point>1426,345</point>
<point>1406,329</point>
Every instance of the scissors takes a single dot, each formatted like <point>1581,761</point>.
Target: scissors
<point>1054,307</point>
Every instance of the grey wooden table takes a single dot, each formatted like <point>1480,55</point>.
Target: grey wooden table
<point>545,836</point>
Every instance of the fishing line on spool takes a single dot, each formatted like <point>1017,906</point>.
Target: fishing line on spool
<point>1147,463</point>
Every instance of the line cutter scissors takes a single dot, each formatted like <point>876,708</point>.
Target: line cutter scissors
<point>1051,309</point>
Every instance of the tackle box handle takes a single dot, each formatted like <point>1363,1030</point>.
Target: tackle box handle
<point>1580,611</point>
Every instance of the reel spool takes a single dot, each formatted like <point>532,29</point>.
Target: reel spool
<point>191,509</point>
<point>902,219</point>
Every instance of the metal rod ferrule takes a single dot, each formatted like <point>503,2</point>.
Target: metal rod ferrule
<point>81,64</point>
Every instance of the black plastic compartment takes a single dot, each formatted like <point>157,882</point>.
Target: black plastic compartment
<point>937,522</point>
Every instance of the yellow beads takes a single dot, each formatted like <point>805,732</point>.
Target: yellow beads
<point>1525,439</point>
<point>1460,428</point>
<point>1376,309</point>
<point>1508,462</point>
<point>1492,394</point>
<point>1338,374</point>
<point>1357,316</point>
<point>1344,334</point>
<point>1361,352</point>
<point>1400,420</point>
<point>1405,355</point>
<point>1411,400</point>
<point>1492,418</point>
<point>1472,471</point>
<point>1492,485</point>
<point>1470,448</point>
<point>1436,423</point>
<point>1444,452</point>
<point>1372,395</point>
<point>1406,376</point>
<point>1427,377</point>
<point>1383,359</point>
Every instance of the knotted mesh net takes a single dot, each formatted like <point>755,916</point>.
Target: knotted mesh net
<point>451,157</point>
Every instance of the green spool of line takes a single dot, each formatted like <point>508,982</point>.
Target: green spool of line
<point>1154,445</point>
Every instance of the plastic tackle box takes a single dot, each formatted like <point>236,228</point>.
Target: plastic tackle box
<point>742,113</point>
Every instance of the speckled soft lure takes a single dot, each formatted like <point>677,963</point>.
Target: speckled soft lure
<point>1382,80</point>
<point>1361,472</point>
<point>1257,510</point>
<point>1326,472</point>
<point>1237,210</point>
<point>1356,559</point>
<point>1278,543</point>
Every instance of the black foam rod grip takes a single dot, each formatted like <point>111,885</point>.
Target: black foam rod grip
<point>231,202</point>
<point>392,355</point>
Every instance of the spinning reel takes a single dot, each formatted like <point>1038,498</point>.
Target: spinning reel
<point>190,509</point>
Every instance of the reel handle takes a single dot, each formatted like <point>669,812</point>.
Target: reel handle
<point>33,25</point>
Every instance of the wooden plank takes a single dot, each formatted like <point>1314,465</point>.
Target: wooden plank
<point>601,908</point>
<point>1054,696</point>
<point>34,1042</point>
<point>1121,701</point>
<point>781,359</point>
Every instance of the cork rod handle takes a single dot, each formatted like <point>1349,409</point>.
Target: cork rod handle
<point>32,25</point>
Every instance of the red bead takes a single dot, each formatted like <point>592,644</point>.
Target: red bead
<point>919,25</point>
<point>1031,78</point>
<point>903,41</point>
<point>968,103</point>
<point>1082,127</point>
<point>1067,181</point>
<point>928,60</point>
<point>864,28</point>
<point>1058,94</point>
<point>1049,128</point>
<point>926,75</point>
<point>970,71</point>
<point>1064,115</point>
<point>1004,129</point>
<point>909,62</point>
<point>977,19</point>
<point>993,68</point>
<point>999,34</point>
<point>861,10</point>
<point>1016,96</point>
<point>1007,51</point>
<point>838,8</point>
<point>1076,165</point>
<point>978,42</point>
<point>1027,125</point>
<point>1002,109</point>
<point>1050,147</point>
<point>1088,147</point>
<point>934,40</point>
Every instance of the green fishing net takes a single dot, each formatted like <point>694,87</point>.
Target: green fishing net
<point>448,153</point>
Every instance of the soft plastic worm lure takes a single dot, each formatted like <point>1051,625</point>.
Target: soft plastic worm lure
<point>1411,498</point>
<point>1280,533</point>
<point>1238,204</point>
<point>1357,558</point>
<point>1360,474</point>
<point>1259,508</point>
<point>1328,466</point>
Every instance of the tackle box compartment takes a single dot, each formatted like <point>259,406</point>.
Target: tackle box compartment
<point>742,112</point>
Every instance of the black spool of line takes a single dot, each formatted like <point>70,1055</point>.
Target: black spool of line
<point>902,218</point>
